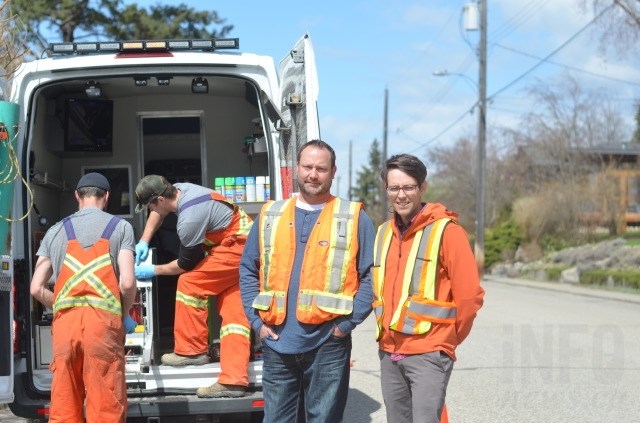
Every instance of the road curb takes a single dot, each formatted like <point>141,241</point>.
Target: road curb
<point>566,288</point>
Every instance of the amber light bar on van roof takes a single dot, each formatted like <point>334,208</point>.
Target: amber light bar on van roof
<point>144,45</point>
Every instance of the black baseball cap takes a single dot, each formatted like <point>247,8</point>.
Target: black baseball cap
<point>149,188</point>
<point>95,180</point>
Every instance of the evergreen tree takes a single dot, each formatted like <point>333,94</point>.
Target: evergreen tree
<point>74,20</point>
<point>368,187</point>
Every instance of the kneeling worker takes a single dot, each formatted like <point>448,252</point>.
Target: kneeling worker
<point>212,235</point>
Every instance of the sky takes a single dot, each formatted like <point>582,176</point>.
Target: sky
<point>364,47</point>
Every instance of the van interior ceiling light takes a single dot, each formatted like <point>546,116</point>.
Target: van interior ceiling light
<point>140,81</point>
<point>93,90</point>
<point>199,85</point>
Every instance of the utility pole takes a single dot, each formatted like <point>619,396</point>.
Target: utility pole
<point>350,156</point>
<point>482,133</point>
<point>383,191</point>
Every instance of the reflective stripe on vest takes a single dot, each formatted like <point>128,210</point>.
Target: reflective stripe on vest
<point>269,220</point>
<point>331,299</point>
<point>240,224</point>
<point>85,272</point>
<point>417,308</point>
<point>315,303</point>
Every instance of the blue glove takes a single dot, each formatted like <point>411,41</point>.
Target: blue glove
<point>129,324</point>
<point>145,272</point>
<point>142,251</point>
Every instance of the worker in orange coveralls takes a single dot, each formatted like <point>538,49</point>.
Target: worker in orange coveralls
<point>212,235</point>
<point>91,254</point>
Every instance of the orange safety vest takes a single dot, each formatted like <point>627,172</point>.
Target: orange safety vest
<point>239,226</point>
<point>329,274</point>
<point>418,307</point>
<point>87,278</point>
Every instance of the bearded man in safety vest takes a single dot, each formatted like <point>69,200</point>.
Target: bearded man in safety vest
<point>90,253</point>
<point>305,282</point>
<point>212,235</point>
<point>427,293</point>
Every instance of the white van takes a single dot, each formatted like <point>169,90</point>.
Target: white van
<point>190,110</point>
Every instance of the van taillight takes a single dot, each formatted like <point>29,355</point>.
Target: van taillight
<point>15,336</point>
<point>15,322</point>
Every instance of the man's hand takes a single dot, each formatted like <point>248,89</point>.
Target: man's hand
<point>142,251</point>
<point>145,272</point>
<point>129,324</point>
<point>266,330</point>
<point>338,333</point>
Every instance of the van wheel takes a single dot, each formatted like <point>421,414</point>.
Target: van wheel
<point>257,417</point>
<point>35,420</point>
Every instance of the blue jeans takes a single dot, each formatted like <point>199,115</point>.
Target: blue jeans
<point>320,375</point>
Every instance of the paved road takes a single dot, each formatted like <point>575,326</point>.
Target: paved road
<point>538,353</point>
<point>549,353</point>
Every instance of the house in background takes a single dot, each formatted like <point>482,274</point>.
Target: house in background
<point>620,164</point>
<point>612,174</point>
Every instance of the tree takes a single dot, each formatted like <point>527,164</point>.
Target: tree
<point>560,187</point>
<point>619,23</point>
<point>12,45</point>
<point>454,178</point>
<point>73,20</point>
<point>636,133</point>
<point>368,186</point>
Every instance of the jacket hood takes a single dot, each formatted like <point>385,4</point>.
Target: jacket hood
<point>430,213</point>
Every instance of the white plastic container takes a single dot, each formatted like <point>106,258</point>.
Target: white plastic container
<point>267,189</point>
<point>260,188</point>
<point>250,190</point>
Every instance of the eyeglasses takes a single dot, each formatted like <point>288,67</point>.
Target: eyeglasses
<point>407,189</point>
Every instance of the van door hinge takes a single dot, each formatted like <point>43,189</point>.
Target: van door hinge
<point>297,56</point>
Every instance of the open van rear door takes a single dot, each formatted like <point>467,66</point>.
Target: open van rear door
<point>298,107</point>
<point>6,331</point>
<point>8,124</point>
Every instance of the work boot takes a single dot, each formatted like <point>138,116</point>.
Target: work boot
<point>174,359</point>
<point>218,390</point>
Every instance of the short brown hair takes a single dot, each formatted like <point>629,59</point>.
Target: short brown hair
<point>407,163</point>
<point>321,145</point>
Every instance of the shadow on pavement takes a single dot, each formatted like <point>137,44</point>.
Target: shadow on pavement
<point>360,407</point>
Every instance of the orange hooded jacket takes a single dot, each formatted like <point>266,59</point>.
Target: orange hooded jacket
<point>457,281</point>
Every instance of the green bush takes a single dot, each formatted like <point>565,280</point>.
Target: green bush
<point>553,272</point>
<point>504,238</point>
<point>626,278</point>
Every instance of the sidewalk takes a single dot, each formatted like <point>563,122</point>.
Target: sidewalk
<point>567,288</point>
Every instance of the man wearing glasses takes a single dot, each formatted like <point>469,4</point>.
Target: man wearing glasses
<point>426,295</point>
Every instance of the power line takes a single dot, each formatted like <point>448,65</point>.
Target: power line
<point>543,60</point>
<point>509,26</point>
<point>519,78</point>
<point>454,123</point>
<point>568,67</point>
<point>526,13</point>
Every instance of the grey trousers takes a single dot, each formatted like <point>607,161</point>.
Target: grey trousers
<point>415,387</point>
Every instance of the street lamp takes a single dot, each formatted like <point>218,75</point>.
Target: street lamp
<point>444,72</point>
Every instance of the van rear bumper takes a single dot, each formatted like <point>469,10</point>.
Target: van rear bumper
<point>190,404</point>
<point>28,404</point>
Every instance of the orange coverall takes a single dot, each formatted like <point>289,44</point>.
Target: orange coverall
<point>88,336</point>
<point>217,274</point>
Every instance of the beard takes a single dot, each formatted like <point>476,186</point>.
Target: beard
<point>313,189</point>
